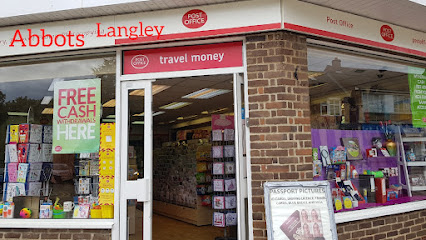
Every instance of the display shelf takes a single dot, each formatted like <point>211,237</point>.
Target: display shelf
<point>417,164</point>
<point>414,139</point>
<point>418,188</point>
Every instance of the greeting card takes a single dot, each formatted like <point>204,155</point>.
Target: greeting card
<point>84,185</point>
<point>22,172</point>
<point>81,211</point>
<point>34,188</point>
<point>218,168</point>
<point>12,172</point>
<point>218,202</point>
<point>218,219</point>
<point>13,133</point>
<point>201,189</point>
<point>315,154</point>
<point>228,135</point>
<point>35,172</point>
<point>352,148</point>
<point>206,200</point>
<point>230,185</point>
<point>229,167</point>
<point>84,168</point>
<point>24,133</point>
<point>231,219</point>
<point>46,152</point>
<point>338,155</point>
<point>217,135</point>
<point>47,134</point>
<point>94,167</point>
<point>217,151</point>
<point>200,178</point>
<point>12,190</point>
<point>317,168</point>
<point>201,167</point>
<point>229,151</point>
<point>11,153</point>
<point>34,154</point>
<point>46,211</point>
<point>218,185</point>
<point>46,171</point>
<point>36,133</point>
<point>23,152</point>
<point>230,202</point>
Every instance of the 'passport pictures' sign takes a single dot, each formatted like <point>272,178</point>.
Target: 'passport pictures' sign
<point>76,116</point>
<point>299,211</point>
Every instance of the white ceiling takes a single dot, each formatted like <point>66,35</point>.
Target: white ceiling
<point>399,12</point>
<point>132,7</point>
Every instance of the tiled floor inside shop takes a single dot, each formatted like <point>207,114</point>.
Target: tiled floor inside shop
<point>165,228</point>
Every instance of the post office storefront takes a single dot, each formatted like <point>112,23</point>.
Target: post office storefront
<point>191,122</point>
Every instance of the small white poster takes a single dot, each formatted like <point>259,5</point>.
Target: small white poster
<point>299,210</point>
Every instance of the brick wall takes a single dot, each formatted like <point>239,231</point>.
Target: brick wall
<point>280,132</point>
<point>411,225</point>
<point>79,234</point>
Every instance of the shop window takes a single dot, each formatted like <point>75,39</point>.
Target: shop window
<point>37,182</point>
<point>368,128</point>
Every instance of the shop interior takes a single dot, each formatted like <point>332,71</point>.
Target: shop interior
<point>363,139</point>
<point>194,184</point>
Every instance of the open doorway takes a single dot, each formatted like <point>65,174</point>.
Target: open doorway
<point>194,158</point>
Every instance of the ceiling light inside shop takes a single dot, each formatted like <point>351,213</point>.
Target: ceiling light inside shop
<point>46,100</point>
<point>108,120</point>
<point>175,105</point>
<point>142,114</point>
<point>138,122</point>
<point>219,110</point>
<point>52,85</point>
<point>110,116</point>
<point>205,112</point>
<point>157,113</point>
<point>17,113</point>
<point>110,103</point>
<point>47,111</point>
<point>155,89</point>
<point>206,93</point>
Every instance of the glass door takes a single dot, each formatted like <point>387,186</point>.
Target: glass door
<point>136,160</point>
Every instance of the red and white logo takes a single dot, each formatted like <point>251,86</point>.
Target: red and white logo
<point>387,33</point>
<point>195,18</point>
<point>58,148</point>
<point>140,61</point>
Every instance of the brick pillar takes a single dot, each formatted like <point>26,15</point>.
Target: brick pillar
<point>280,131</point>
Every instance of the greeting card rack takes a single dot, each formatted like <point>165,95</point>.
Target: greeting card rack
<point>224,200</point>
<point>86,181</point>
<point>28,160</point>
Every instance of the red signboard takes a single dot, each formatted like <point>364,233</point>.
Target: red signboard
<point>219,55</point>
<point>195,18</point>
